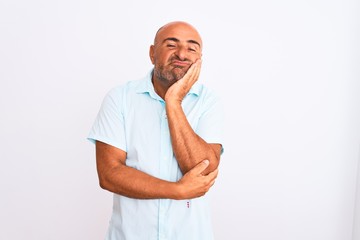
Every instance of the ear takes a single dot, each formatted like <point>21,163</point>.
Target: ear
<point>151,54</point>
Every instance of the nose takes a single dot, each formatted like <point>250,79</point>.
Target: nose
<point>181,53</point>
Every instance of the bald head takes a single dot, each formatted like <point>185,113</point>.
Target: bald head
<point>179,27</point>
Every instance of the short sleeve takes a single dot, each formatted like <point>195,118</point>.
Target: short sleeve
<point>109,124</point>
<point>210,126</point>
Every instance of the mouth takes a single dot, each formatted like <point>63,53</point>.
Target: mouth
<point>181,64</point>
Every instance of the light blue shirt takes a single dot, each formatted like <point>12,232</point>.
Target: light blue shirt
<point>133,118</point>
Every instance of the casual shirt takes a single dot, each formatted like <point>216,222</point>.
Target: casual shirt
<point>133,118</point>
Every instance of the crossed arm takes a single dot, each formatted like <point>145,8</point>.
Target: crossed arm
<point>197,159</point>
<point>116,177</point>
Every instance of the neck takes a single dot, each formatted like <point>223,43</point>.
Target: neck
<point>160,87</point>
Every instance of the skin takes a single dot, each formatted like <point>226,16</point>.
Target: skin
<point>176,56</point>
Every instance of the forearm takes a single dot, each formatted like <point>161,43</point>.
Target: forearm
<point>118,178</point>
<point>133,183</point>
<point>188,147</point>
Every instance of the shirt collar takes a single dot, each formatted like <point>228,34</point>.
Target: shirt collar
<point>146,86</point>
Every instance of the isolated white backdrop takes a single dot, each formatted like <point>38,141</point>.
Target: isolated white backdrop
<point>288,74</point>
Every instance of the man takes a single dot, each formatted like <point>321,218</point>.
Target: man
<point>158,144</point>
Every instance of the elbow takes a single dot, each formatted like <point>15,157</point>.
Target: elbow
<point>103,183</point>
<point>213,165</point>
<point>214,158</point>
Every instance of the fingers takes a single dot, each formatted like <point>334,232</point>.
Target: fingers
<point>196,71</point>
<point>195,183</point>
<point>179,90</point>
<point>200,167</point>
<point>193,72</point>
<point>212,176</point>
<point>210,179</point>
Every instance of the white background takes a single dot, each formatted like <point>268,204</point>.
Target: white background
<point>288,74</point>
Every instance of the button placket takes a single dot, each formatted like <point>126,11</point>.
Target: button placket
<point>163,166</point>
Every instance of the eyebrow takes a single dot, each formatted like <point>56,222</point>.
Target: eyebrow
<point>177,40</point>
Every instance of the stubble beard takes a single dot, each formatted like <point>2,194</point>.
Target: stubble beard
<point>169,76</point>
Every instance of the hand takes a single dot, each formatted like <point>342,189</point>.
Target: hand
<point>194,184</point>
<point>179,89</point>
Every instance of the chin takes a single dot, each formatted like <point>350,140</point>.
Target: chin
<point>178,73</point>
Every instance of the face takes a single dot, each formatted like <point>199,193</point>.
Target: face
<point>177,46</point>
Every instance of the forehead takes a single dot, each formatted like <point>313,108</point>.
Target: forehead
<point>180,31</point>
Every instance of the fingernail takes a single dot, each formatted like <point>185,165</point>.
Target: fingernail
<point>206,162</point>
